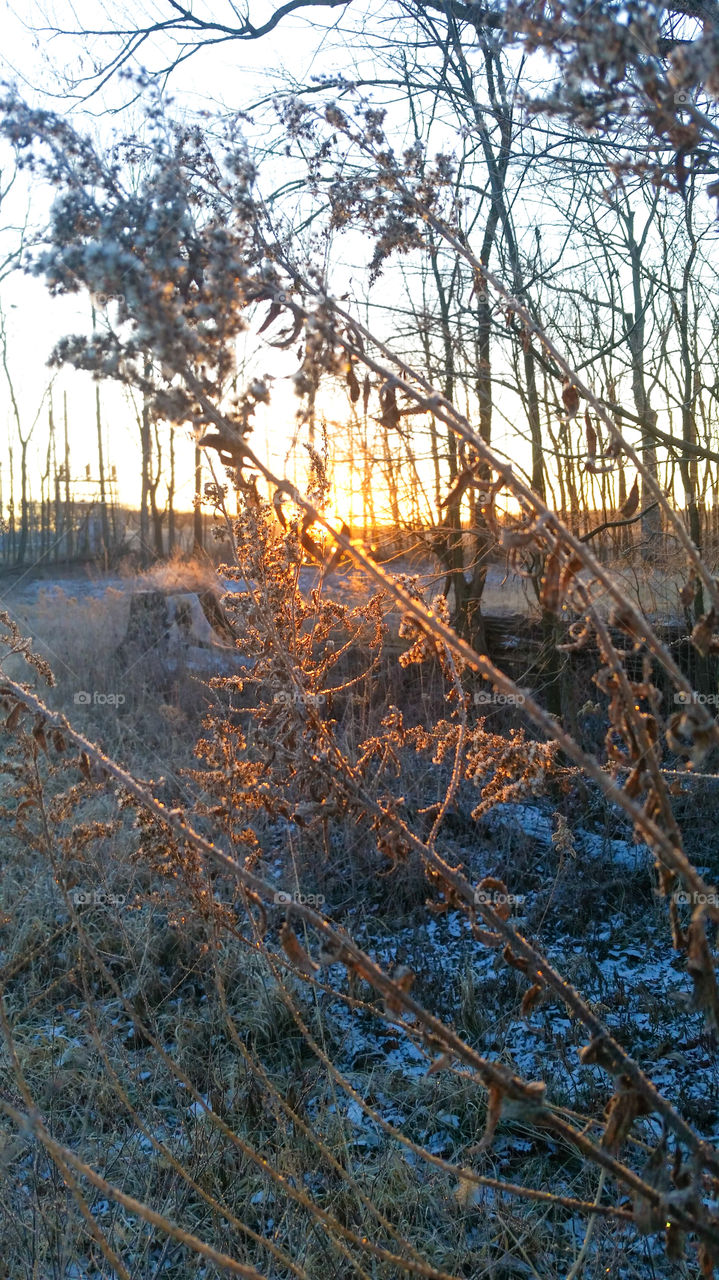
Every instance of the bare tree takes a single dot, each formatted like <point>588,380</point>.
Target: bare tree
<point>24,438</point>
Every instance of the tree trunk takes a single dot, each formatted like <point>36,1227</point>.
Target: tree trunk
<point>146,445</point>
<point>197,541</point>
<point>171,498</point>
<point>104,522</point>
<point>636,339</point>
<point>69,515</point>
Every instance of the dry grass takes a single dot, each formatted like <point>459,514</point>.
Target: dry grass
<point>195,1069</point>
<point>83,986</point>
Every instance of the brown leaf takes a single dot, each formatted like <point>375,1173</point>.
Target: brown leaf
<point>366,388</point>
<point>84,763</point>
<point>388,403</point>
<point>512,539</point>
<point>622,1110</point>
<point>700,965</point>
<point>531,999</point>
<point>528,1110</point>
<point>632,503</point>
<point>403,979</point>
<point>485,937</point>
<point>352,383</point>
<point>440,1064</point>
<point>591,435</point>
<point>648,1217</point>
<point>312,548</point>
<point>516,962</point>
<point>569,573</point>
<point>494,1111</point>
<point>494,893</point>
<point>295,951</point>
<point>287,339</point>
<point>678,936</point>
<point>277,504</point>
<point>599,1051</point>
<point>12,720</point>
<point>621,617</point>
<point>570,398</point>
<point>272,314</point>
<point>38,734</point>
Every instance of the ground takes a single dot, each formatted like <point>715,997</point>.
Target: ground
<point>358,1081</point>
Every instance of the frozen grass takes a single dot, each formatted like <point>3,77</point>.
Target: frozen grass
<point>174,1055</point>
<point>82,982</point>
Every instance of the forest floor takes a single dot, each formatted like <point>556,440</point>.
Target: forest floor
<point>593,908</point>
<point>654,587</point>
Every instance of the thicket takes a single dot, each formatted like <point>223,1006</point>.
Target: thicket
<point>202,1023</point>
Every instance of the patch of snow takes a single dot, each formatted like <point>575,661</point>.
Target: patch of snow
<point>535,823</point>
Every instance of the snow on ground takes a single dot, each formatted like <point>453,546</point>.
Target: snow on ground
<point>534,822</point>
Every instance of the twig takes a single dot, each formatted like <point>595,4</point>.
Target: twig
<point>574,1272</point>
<point>618,524</point>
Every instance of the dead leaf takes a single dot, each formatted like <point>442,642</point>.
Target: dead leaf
<point>272,314</point>
<point>352,383</point>
<point>532,998</point>
<point>591,436</point>
<point>12,720</point>
<point>494,1111</point>
<point>570,398</point>
<point>390,416</point>
<point>439,1064</point>
<point>403,978</point>
<point>632,503</point>
<point>295,951</point>
<point>622,1110</point>
<point>700,965</point>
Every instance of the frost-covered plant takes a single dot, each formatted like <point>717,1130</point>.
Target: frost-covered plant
<point>166,236</point>
<point>647,71</point>
<point>190,282</point>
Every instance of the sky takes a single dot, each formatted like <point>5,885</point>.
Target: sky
<point>35,321</point>
<point>225,77</point>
